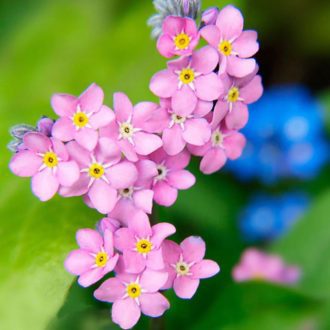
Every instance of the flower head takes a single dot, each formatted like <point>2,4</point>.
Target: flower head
<point>256,265</point>
<point>94,259</point>
<point>46,160</point>
<point>185,266</point>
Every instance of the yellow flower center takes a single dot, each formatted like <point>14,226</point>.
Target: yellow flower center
<point>187,76</point>
<point>133,290</point>
<point>96,171</point>
<point>217,138</point>
<point>143,246</point>
<point>182,268</point>
<point>80,119</point>
<point>50,159</point>
<point>178,119</point>
<point>101,259</point>
<point>182,41</point>
<point>225,47</point>
<point>233,94</point>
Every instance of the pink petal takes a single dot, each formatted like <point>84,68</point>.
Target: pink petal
<point>173,141</point>
<point>111,264</point>
<point>102,118</point>
<point>153,280</point>
<point>108,151</point>
<point>123,107</point>
<point>122,175</point>
<point>79,262</point>
<point>140,225</point>
<point>178,161</point>
<point>165,46</point>
<point>90,240</point>
<point>178,64</point>
<point>44,184</point>
<point>124,210</point>
<point>184,101</point>
<point>128,150</point>
<point>143,199</point>
<point>190,27</point>
<point>181,179</point>
<point>142,112</point>
<point>92,99</point>
<point>220,111</point>
<point>205,60</point>
<point>164,83</point>
<point>78,153</point>
<point>108,242</point>
<point>193,249</point>
<point>252,91</point>
<point>91,277</point>
<point>102,196</point>
<point>134,262</point>
<point>171,252</point>
<point>203,108</point>
<point>238,117</point>
<point>110,290</point>
<point>197,131</point>
<point>230,22</point>
<point>37,142</point>
<point>67,173</point>
<point>87,138</point>
<point>77,189</point>
<point>211,34</point>
<point>160,231</point>
<point>147,169</point>
<point>124,239</point>
<point>234,144</point>
<point>154,304</point>
<point>173,25</point>
<point>204,269</point>
<point>60,149</point>
<point>64,105</point>
<point>155,260</point>
<point>25,163</point>
<point>146,143</point>
<point>164,194</point>
<point>185,287</point>
<point>63,129</point>
<point>208,87</point>
<point>213,161</point>
<point>125,313</point>
<point>246,44</point>
<point>240,67</point>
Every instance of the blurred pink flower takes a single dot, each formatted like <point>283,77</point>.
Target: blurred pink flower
<point>133,294</point>
<point>94,259</point>
<point>141,244</point>
<point>81,117</point>
<point>188,79</point>
<point>185,266</point>
<point>46,160</point>
<point>210,15</point>
<point>234,45</point>
<point>180,36</point>
<point>257,265</point>
<point>171,176</point>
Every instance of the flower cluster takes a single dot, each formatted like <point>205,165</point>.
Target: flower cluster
<point>257,265</point>
<point>266,217</point>
<point>286,137</point>
<point>122,160</point>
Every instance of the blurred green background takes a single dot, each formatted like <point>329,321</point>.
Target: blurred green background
<point>64,45</point>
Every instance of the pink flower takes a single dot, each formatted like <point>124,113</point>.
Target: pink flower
<point>94,259</point>
<point>108,224</point>
<point>178,129</point>
<point>141,243</point>
<point>171,176</point>
<point>102,173</point>
<point>185,266</point>
<point>234,45</point>
<point>81,117</point>
<point>133,294</point>
<point>138,196</point>
<point>222,145</point>
<point>131,128</point>
<point>180,36</point>
<point>256,265</point>
<point>46,160</point>
<point>188,79</point>
<point>210,16</point>
<point>238,93</point>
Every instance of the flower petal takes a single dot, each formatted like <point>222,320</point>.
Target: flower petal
<point>64,105</point>
<point>165,46</point>
<point>153,280</point>
<point>185,287</point>
<point>102,118</point>
<point>79,262</point>
<point>87,138</point>
<point>155,260</point>
<point>211,34</point>
<point>197,131</point>
<point>234,144</point>
<point>173,141</point>
<point>124,239</point>
<point>173,25</point>
<point>37,142</point>
<point>123,107</point>
<point>184,101</point>
<point>143,200</point>
<point>181,179</point>
<point>67,173</point>
<point>25,163</point>
<point>238,117</point>
<point>91,277</point>
<point>110,290</point>
<point>140,225</point>
<point>204,269</point>
<point>122,175</point>
<point>178,161</point>
<point>246,44</point>
<point>92,99</point>
<point>205,60</point>
<point>154,304</point>
<point>146,143</point>
<point>63,129</point>
<point>160,231</point>
<point>44,185</point>
<point>208,87</point>
<point>164,83</point>
<point>230,22</point>
<point>213,161</point>
<point>134,262</point>
<point>240,67</point>
<point>193,249</point>
<point>125,313</point>
<point>252,91</point>
<point>164,194</point>
<point>90,240</point>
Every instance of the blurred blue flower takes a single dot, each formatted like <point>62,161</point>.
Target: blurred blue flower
<point>285,135</point>
<point>266,218</point>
